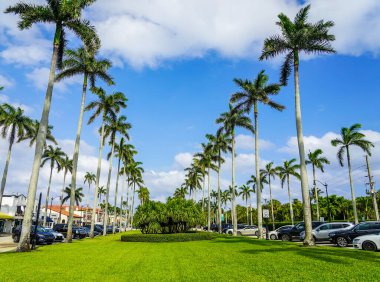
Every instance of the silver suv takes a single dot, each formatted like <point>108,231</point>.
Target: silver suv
<point>321,233</point>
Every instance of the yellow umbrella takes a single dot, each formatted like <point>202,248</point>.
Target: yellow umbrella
<point>5,216</point>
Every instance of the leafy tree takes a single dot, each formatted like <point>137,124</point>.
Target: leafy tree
<point>180,192</point>
<point>143,195</point>
<point>66,165</point>
<point>90,178</point>
<point>32,134</point>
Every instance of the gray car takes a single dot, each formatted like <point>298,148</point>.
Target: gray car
<point>321,233</point>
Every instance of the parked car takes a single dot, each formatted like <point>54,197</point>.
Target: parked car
<point>226,226</point>
<point>58,236</point>
<point>294,232</point>
<point>97,228</point>
<point>321,233</point>
<point>345,237</point>
<point>42,236</point>
<point>273,235</point>
<point>250,230</point>
<point>239,227</point>
<point>87,230</point>
<point>367,242</point>
<point>77,232</point>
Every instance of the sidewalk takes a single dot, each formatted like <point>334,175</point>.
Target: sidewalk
<point>6,243</point>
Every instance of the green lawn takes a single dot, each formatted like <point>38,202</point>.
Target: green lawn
<point>222,259</point>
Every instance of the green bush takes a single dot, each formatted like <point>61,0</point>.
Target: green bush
<point>177,237</point>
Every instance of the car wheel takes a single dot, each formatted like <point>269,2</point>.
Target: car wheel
<point>286,237</point>
<point>257,233</point>
<point>230,232</point>
<point>16,239</point>
<point>341,242</point>
<point>273,237</point>
<point>314,239</point>
<point>369,246</point>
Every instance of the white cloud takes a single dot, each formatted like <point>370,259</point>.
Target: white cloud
<point>28,55</point>
<point>184,159</point>
<point>247,142</point>
<point>5,99</point>
<point>5,82</point>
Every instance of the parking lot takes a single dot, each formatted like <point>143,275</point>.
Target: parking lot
<point>6,243</point>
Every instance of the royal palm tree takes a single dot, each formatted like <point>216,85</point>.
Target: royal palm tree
<point>289,168</point>
<point>229,121</point>
<point>225,197</point>
<point>66,165</point>
<point>253,182</point>
<point>65,16</point>
<point>143,195</point>
<point>193,178</point>
<point>111,128</point>
<point>107,106</point>
<point>245,193</point>
<point>135,177</point>
<point>316,161</point>
<point>351,137</point>
<point>90,178</point>
<point>32,134</point>
<point>53,156</point>
<point>82,62</point>
<point>297,37</point>
<point>14,124</point>
<point>180,192</point>
<point>199,165</point>
<point>78,194</point>
<point>250,94</point>
<point>270,173</point>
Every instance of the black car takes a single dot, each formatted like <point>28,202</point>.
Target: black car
<point>294,232</point>
<point>98,228</point>
<point>87,229</point>
<point>77,232</point>
<point>42,236</point>
<point>344,237</point>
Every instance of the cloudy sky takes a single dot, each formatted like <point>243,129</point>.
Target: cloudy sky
<point>175,61</point>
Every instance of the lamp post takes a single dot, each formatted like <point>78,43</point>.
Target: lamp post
<point>327,196</point>
<point>51,204</point>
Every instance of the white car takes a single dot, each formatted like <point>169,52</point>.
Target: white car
<point>273,235</point>
<point>247,230</point>
<point>367,242</point>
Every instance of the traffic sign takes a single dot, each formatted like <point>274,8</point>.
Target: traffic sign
<point>265,213</point>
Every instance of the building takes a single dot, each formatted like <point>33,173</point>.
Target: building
<point>13,206</point>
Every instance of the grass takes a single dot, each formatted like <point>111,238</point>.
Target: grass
<point>221,259</point>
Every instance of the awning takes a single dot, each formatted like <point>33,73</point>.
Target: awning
<point>5,216</point>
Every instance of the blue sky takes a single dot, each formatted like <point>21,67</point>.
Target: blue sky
<point>176,61</point>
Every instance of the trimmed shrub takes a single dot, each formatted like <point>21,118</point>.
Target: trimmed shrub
<point>177,237</point>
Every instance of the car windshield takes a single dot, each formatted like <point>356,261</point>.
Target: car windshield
<point>41,229</point>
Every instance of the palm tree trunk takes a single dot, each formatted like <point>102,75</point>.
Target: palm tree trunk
<point>246,207</point>
<point>116,188</point>
<point>234,233</point>
<point>127,206</point>
<point>47,196</point>
<point>5,173</point>
<point>209,202</point>
<point>88,203</point>
<point>352,187</point>
<point>290,202</point>
<point>75,163</point>
<point>257,166</point>
<point>97,181</point>
<point>219,203</point>
<point>315,192</point>
<point>61,198</point>
<point>23,245</point>
<point>250,209</point>
<point>203,192</point>
<point>121,200</point>
<point>271,201</point>
<point>108,190</point>
<point>133,203</point>
<point>304,182</point>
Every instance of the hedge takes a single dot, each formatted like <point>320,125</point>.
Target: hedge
<point>177,237</point>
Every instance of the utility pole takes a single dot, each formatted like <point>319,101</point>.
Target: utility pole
<point>372,191</point>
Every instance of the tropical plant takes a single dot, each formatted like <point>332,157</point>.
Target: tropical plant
<point>53,156</point>
<point>135,177</point>
<point>289,168</point>
<point>143,195</point>
<point>64,15</point>
<point>78,194</point>
<point>245,193</point>
<point>66,165</point>
<point>270,172</point>
<point>229,121</point>
<point>32,134</point>
<point>90,178</point>
<point>247,99</point>
<point>14,124</point>
<point>107,106</point>
<point>316,161</point>
<point>180,192</point>
<point>351,137</point>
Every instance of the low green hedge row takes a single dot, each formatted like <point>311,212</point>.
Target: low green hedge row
<point>177,237</point>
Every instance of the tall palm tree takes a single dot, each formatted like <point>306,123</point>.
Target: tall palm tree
<point>253,181</point>
<point>289,168</point>
<point>229,121</point>
<point>270,173</point>
<point>143,195</point>
<point>90,178</point>
<point>66,165</point>
<point>64,15</point>
<point>32,135</point>
<point>221,144</point>
<point>78,194</point>
<point>316,161</point>
<point>199,165</point>
<point>107,106</point>
<point>245,193</point>
<point>247,99</point>
<point>351,137</point>
<point>82,62</point>
<point>193,178</point>
<point>14,124</point>
<point>111,128</point>
<point>135,177</point>
<point>53,156</point>
<point>225,197</point>
<point>180,192</point>
<point>310,38</point>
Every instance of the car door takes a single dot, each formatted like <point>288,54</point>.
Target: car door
<point>360,230</point>
<point>374,228</point>
<point>296,231</point>
<point>322,232</point>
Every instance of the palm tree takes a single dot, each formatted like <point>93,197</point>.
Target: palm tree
<point>284,172</point>
<point>299,36</point>
<point>270,173</point>
<point>200,166</point>
<point>135,177</point>
<point>143,195</point>
<point>253,181</point>
<point>180,192</point>
<point>245,193</point>
<point>107,106</point>
<point>193,178</point>
<point>317,161</point>
<point>90,178</point>
<point>54,156</point>
<point>32,135</point>
<point>66,165</point>
<point>78,194</point>
<point>351,137</point>
<point>111,128</point>
<point>82,62</point>
<point>247,99</point>
<point>230,120</point>
<point>13,124</point>
<point>64,15</point>
<point>225,197</point>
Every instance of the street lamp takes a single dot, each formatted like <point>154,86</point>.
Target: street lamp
<point>327,196</point>
<point>51,204</point>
